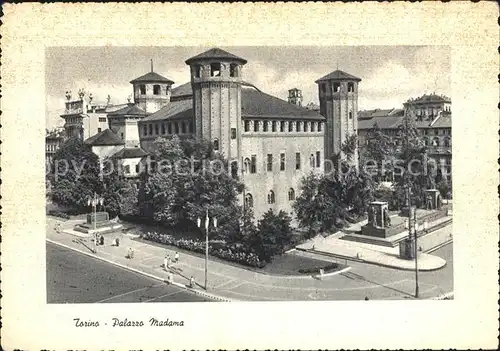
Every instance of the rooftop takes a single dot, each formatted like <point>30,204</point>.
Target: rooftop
<point>424,99</point>
<point>132,110</point>
<point>152,77</point>
<point>106,137</point>
<point>130,152</point>
<point>181,109</point>
<point>338,75</point>
<point>215,53</point>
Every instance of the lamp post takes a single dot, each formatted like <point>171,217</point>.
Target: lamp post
<point>207,223</point>
<point>94,201</point>
<point>416,254</point>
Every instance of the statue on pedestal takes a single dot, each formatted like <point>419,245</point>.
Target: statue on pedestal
<point>370,216</point>
<point>387,219</point>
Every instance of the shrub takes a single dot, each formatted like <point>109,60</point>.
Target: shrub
<point>58,214</point>
<point>328,268</point>
<point>235,253</point>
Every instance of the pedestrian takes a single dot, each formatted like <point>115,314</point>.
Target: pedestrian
<point>366,298</point>
<point>165,262</point>
<point>101,240</point>
<point>176,257</point>
<point>170,278</point>
<point>191,282</point>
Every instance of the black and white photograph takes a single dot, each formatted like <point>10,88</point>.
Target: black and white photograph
<point>249,174</point>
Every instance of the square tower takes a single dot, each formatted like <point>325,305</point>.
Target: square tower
<point>338,100</point>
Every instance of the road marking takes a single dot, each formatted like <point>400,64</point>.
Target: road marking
<point>159,297</point>
<point>222,284</point>
<point>130,292</point>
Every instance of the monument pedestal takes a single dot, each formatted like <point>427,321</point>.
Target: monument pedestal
<point>407,249</point>
<point>100,221</point>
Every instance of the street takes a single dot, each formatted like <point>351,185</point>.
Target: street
<point>76,278</point>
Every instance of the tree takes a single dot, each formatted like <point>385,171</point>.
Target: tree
<point>378,149</point>
<point>75,175</point>
<point>306,206</point>
<point>189,178</point>
<point>274,234</point>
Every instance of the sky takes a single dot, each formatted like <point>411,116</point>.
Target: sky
<point>390,75</point>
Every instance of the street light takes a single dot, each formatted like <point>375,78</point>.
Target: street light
<point>207,222</point>
<point>416,254</point>
<point>94,201</point>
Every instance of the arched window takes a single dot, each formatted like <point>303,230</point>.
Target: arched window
<point>270,197</point>
<point>247,165</point>
<point>216,144</point>
<point>350,87</point>
<point>183,127</point>
<point>163,128</point>
<point>215,69</point>
<point>234,169</point>
<point>157,127</point>
<point>320,126</point>
<point>142,89</point>
<point>233,70</point>
<point>169,127</point>
<point>306,125</point>
<point>298,126</point>
<point>336,87</point>
<point>435,142</point>
<point>176,128</point>
<point>156,89</point>
<point>197,71</point>
<point>290,126</point>
<point>311,160</point>
<point>291,194</point>
<point>447,142</point>
<point>248,200</point>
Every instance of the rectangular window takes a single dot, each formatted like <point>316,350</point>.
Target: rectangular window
<point>126,169</point>
<point>290,126</point>
<point>282,162</point>
<point>323,87</point>
<point>144,130</point>
<point>150,129</point>
<point>311,160</point>
<point>320,125</point>
<point>265,126</point>
<point>197,71</point>
<point>142,89</point>
<point>98,130</point>
<point>163,128</point>
<point>157,129</point>
<point>156,89</point>
<point>282,126</point>
<point>247,126</point>
<point>350,115</point>
<point>233,133</point>
<point>121,134</point>
<point>190,127</point>
<point>102,119</point>
<point>305,126</point>
<point>318,158</point>
<point>169,128</point>
<point>269,162</point>
<point>299,125</point>
<point>297,160</point>
<point>273,126</point>
<point>253,165</point>
<point>137,168</point>
<point>233,70</point>
<point>215,69</point>
<point>256,126</point>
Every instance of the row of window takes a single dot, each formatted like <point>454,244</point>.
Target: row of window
<point>291,126</point>
<point>437,131</point>
<point>251,163</point>
<point>51,147</point>
<point>437,142</point>
<point>167,128</point>
<point>271,197</point>
<point>337,87</point>
<point>156,89</point>
<point>216,70</point>
<point>102,119</point>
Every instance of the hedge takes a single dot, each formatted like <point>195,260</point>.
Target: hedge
<point>58,214</point>
<point>234,253</point>
<point>328,268</point>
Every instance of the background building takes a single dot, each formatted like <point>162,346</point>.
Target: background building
<point>431,114</point>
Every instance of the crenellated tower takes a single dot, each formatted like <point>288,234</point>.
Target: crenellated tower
<point>216,81</point>
<point>338,99</point>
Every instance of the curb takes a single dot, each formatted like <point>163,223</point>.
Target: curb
<point>439,246</point>
<point>197,292</point>
<point>348,258</point>
<point>343,270</point>
<point>446,296</point>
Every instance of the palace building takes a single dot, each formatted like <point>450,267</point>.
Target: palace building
<point>270,143</point>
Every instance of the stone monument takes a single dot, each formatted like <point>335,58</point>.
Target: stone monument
<point>433,199</point>
<point>98,223</point>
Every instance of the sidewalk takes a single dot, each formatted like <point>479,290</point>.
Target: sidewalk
<point>382,255</point>
<point>227,282</point>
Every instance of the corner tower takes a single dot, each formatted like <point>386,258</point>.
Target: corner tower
<point>152,91</point>
<point>338,100</point>
<point>216,82</point>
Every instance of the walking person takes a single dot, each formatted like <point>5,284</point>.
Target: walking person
<point>165,262</point>
<point>176,257</point>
